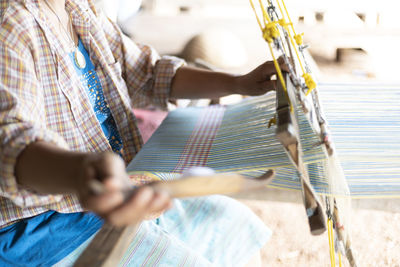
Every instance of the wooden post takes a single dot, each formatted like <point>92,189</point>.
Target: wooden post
<point>287,132</point>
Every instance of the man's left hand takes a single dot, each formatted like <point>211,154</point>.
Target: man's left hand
<point>258,81</point>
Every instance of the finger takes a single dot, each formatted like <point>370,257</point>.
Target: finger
<point>158,213</point>
<point>268,175</point>
<point>170,205</point>
<point>103,203</point>
<point>115,183</point>
<point>282,64</point>
<point>160,202</point>
<point>133,210</point>
<point>267,69</point>
<point>268,85</point>
<point>84,188</point>
<point>262,88</point>
<point>110,169</point>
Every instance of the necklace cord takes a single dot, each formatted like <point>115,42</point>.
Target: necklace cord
<point>69,33</point>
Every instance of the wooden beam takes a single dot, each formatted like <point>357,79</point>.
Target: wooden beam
<point>287,132</point>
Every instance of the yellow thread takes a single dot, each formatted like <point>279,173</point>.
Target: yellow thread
<point>340,260</point>
<point>270,32</point>
<point>282,22</point>
<point>264,12</point>
<point>299,38</point>
<point>287,14</point>
<point>329,240</point>
<point>255,13</point>
<point>289,33</point>
<point>309,82</point>
<point>296,51</point>
<point>272,121</point>
<point>331,244</point>
<point>277,67</point>
<point>280,76</point>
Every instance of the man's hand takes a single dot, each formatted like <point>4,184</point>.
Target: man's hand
<point>118,204</point>
<point>195,83</point>
<point>46,169</point>
<point>258,81</point>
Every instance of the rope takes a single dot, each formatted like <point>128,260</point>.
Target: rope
<point>255,12</point>
<point>331,243</point>
<point>309,81</point>
<point>270,32</point>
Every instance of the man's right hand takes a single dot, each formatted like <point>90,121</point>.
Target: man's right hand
<point>117,204</point>
<point>47,169</point>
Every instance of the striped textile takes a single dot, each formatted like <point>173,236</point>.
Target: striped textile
<point>364,120</point>
<point>195,152</point>
<point>243,143</point>
<point>198,232</point>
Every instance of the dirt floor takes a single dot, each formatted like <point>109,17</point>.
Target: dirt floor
<point>375,235</point>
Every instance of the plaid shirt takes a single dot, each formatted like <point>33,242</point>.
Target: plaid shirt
<point>42,98</point>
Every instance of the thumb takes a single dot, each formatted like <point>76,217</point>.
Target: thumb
<point>109,169</point>
<point>268,85</point>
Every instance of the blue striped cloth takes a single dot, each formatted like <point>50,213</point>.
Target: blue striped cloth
<point>206,231</point>
<point>364,120</point>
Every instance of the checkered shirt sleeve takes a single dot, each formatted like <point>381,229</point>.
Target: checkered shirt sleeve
<point>41,99</point>
<point>21,114</point>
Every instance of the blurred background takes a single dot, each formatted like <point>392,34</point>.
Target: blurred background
<point>350,41</point>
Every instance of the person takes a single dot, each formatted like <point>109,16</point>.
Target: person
<point>68,82</point>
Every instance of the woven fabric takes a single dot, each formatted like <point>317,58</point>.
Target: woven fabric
<point>364,122</point>
<point>197,232</point>
<point>198,145</point>
<point>42,98</point>
<point>243,143</point>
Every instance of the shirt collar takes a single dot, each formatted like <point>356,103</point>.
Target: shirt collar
<point>77,10</point>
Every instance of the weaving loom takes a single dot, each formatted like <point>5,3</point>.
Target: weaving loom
<point>236,138</point>
<point>239,138</point>
<point>233,138</point>
<point>287,131</point>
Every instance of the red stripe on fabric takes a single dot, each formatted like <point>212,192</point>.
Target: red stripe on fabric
<point>132,253</point>
<point>162,253</point>
<point>153,249</point>
<point>197,147</point>
<point>183,263</point>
